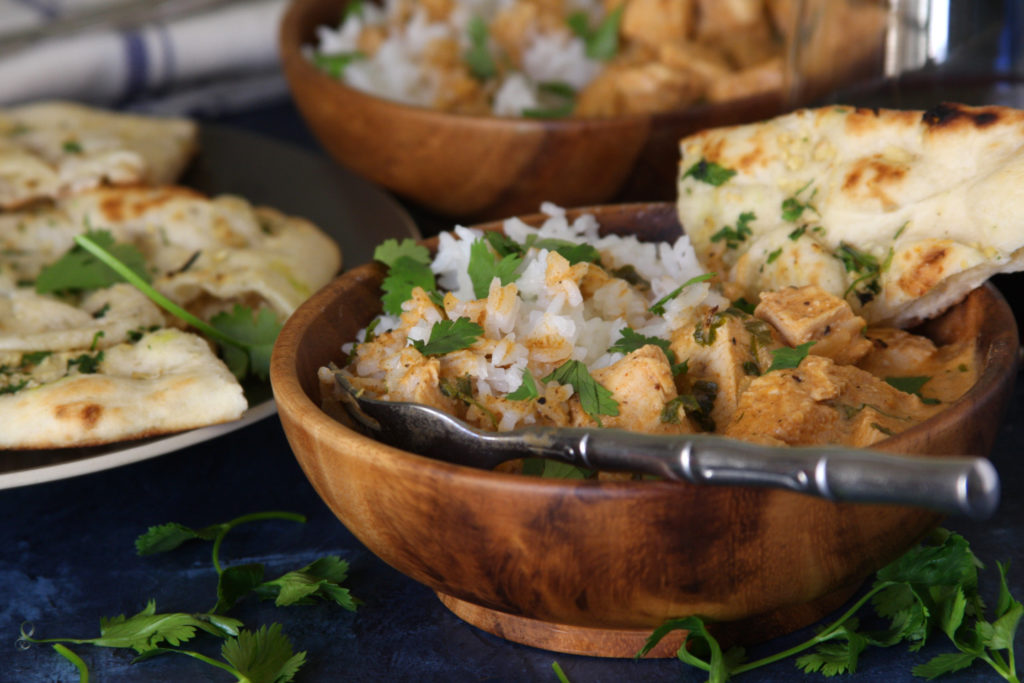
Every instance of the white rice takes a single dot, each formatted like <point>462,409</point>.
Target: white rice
<point>585,328</point>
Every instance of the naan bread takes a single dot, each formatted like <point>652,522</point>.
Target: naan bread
<point>902,213</point>
<point>107,365</point>
<point>167,381</point>
<point>52,149</point>
<point>206,253</point>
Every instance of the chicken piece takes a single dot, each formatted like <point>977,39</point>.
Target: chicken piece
<point>767,77</point>
<point>820,402</point>
<point>951,370</point>
<point>658,22</point>
<point>804,314</point>
<point>457,90</point>
<point>698,59</point>
<point>728,348</point>
<point>635,89</point>
<point>517,23</point>
<point>741,29</point>
<point>642,383</point>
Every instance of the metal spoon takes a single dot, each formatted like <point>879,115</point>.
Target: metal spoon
<point>954,485</point>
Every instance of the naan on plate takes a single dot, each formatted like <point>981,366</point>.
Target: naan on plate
<point>50,150</point>
<point>901,213</point>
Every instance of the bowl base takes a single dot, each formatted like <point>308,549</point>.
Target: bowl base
<point>625,643</point>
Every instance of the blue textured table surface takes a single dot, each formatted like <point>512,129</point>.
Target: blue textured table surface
<point>67,559</point>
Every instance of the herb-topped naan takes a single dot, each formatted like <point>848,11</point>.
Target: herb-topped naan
<point>87,360</point>
<point>899,212</point>
<point>53,149</point>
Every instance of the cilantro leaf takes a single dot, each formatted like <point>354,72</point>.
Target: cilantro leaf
<point>709,172</point>
<point>478,57</point>
<point>263,656</point>
<point>658,308</point>
<point>449,335</point>
<point>319,579</point>
<point>527,389</point>
<point>912,385</point>
<point>503,244</point>
<point>79,270</point>
<point>946,663</point>
<point>405,274</point>
<point>234,583</point>
<point>254,337</point>
<point>595,399</point>
<point>160,539</point>
<point>630,340</point>
<point>484,266</point>
<point>787,358</point>
<point>574,252</point>
<point>390,250</point>
<point>602,42</point>
<point>335,64</point>
<point>733,236</point>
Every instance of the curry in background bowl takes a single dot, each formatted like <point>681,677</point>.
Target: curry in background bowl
<point>593,566</point>
<point>606,130</point>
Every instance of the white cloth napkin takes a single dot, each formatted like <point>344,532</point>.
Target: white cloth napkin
<point>213,60</point>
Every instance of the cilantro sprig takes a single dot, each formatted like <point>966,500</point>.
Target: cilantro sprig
<point>658,307</point>
<point>449,335</point>
<point>595,399</point>
<point>931,589</point>
<point>408,264</point>
<point>485,265</point>
<point>261,656</point>
<point>80,269</point>
<point>250,339</point>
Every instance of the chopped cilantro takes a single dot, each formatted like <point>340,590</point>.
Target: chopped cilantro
<point>87,364</point>
<point>744,305</point>
<point>527,390</point>
<point>574,252</point>
<point>405,274</point>
<point>787,358</point>
<point>630,340</point>
<point>478,57</point>
<point>461,389</point>
<point>733,236</point>
<point>485,265</point>
<point>13,388</point>
<point>658,308</point>
<point>595,399</point>
<point>601,42</point>
<point>912,385</point>
<point>774,255</point>
<point>696,405</point>
<point>559,99</point>
<point>798,233</point>
<point>72,147</point>
<point>335,64</point>
<point>79,270</point>
<point>33,358</point>
<point>709,172</point>
<point>449,335</point>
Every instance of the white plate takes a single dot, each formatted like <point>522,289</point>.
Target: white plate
<point>265,171</point>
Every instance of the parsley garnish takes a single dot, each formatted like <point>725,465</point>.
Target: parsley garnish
<point>478,57</point>
<point>595,399</point>
<point>866,267</point>
<point>449,335</point>
<point>733,236</point>
<point>793,208</point>
<point>658,308</point>
<point>485,265</point>
<point>912,385</point>
<point>527,390</point>
<point>709,172</point>
<point>601,42</point>
<point>931,589</point>
<point>78,269</point>
<point>787,358</point>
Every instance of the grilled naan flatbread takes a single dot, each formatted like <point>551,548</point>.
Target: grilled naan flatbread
<point>107,365</point>
<point>166,381</point>
<point>902,213</point>
<point>206,254</point>
<point>53,149</point>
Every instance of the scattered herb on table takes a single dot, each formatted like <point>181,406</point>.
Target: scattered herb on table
<point>933,588</point>
<point>261,656</point>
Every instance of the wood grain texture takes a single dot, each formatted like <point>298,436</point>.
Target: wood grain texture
<point>481,168</point>
<point>612,556</point>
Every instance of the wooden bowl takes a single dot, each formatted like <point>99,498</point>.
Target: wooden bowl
<point>593,567</point>
<point>482,168</point>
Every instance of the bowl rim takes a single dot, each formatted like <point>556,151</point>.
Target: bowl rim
<point>1001,362</point>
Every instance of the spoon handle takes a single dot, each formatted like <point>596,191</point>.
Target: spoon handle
<point>963,485</point>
